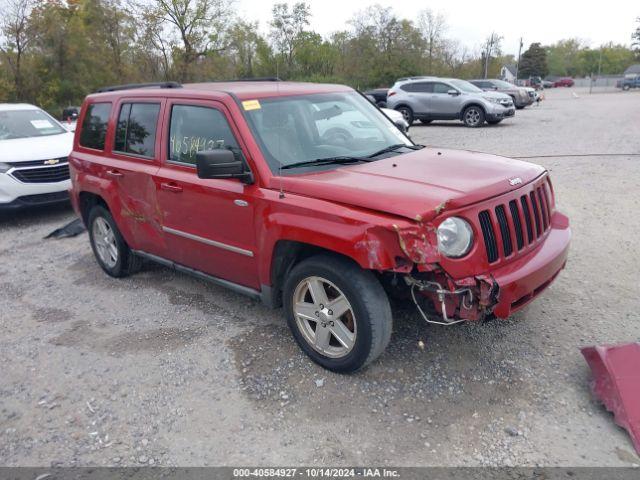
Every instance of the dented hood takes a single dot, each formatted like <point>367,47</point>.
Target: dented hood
<point>416,183</point>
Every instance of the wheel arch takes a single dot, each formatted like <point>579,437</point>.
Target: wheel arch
<point>88,200</point>
<point>472,104</point>
<point>286,255</point>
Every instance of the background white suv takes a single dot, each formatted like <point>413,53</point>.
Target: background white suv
<point>34,147</point>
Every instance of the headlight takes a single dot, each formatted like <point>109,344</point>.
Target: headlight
<point>455,237</point>
<point>4,167</point>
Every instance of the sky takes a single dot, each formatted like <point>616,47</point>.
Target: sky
<point>471,21</point>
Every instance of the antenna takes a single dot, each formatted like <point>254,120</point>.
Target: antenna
<point>281,195</point>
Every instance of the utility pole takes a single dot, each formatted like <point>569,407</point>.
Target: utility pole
<point>600,62</point>
<point>518,62</point>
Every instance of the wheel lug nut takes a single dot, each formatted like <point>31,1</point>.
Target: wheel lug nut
<point>317,314</point>
<point>330,312</point>
<point>321,306</point>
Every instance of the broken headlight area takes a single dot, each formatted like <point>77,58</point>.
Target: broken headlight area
<point>444,301</point>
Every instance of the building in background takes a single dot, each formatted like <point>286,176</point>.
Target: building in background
<point>508,73</point>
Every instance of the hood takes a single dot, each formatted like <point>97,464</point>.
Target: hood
<point>494,94</point>
<point>36,148</point>
<point>421,184</point>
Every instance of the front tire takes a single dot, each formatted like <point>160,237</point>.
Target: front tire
<point>473,116</point>
<point>339,314</point>
<point>109,247</point>
<point>407,114</point>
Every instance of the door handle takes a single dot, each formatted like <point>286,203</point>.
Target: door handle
<point>115,173</point>
<point>171,187</point>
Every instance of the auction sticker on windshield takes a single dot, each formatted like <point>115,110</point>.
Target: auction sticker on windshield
<point>251,105</point>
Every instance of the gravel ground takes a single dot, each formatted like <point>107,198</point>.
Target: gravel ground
<point>162,369</point>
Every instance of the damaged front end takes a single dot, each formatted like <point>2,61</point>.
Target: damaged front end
<point>452,302</point>
<point>439,298</point>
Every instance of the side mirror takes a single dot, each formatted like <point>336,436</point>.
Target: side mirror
<point>453,92</point>
<point>221,163</point>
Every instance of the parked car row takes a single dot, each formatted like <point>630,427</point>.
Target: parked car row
<point>433,98</point>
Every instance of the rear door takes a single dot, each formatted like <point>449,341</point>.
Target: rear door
<point>134,161</point>
<point>419,96</point>
<point>208,224</point>
<point>119,162</point>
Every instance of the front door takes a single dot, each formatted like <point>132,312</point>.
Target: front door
<point>208,224</point>
<point>443,104</point>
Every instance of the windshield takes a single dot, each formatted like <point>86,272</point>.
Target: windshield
<point>306,128</point>
<point>502,84</point>
<point>465,86</point>
<point>27,123</point>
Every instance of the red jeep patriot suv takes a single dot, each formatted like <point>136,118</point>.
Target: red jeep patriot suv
<point>306,196</point>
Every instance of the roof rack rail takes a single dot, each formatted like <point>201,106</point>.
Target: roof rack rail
<point>255,79</point>
<point>131,86</point>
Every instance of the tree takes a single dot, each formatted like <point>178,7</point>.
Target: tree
<point>534,62</point>
<point>490,49</point>
<point>245,48</point>
<point>636,39</point>
<point>196,28</point>
<point>433,26</point>
<point>287,26</point>
<point>564,57</point>
<point>15,39</point>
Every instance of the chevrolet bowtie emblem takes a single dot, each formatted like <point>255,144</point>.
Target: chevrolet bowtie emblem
<point>52,161</point>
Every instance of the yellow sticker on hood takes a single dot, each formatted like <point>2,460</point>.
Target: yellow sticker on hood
<point>251,105</point>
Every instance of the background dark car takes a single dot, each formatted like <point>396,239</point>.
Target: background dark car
<point>70,113</point>
<point>564,82</point>
<point>380,96</point>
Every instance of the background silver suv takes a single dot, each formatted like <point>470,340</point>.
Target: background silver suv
<point>432,98</point>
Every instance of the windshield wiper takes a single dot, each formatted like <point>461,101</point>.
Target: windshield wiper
<point>393,148</point>
<point>341,160</point>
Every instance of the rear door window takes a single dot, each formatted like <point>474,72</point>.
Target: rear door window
<point>418,87</point>
<point>94,126</point>
<point>136,129</point>
<point>441,88</point>
<point>194,129</point>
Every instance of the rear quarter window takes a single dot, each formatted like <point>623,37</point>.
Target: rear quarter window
<point>94,126</point>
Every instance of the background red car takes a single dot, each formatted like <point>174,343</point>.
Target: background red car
<point>564,82</point>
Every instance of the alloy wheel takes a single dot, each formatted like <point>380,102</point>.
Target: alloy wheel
<point>472,116</point>
<point>105,242</point>
<point>325,317</point>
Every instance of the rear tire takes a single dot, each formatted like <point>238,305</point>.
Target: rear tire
<point>109,247</point>
<point>326,294</point>
<point>407,113</point>
<point>473,116</point>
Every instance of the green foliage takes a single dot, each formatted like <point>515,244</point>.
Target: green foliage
<point>636,40</point>
<point>574,59</point>
<point>533,62</point>
<point>54,52</point>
